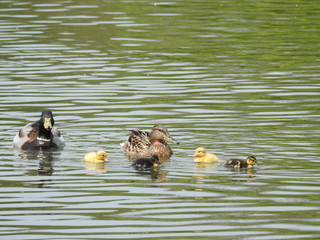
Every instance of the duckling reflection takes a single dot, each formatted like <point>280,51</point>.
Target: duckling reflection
<point>95,168</point>
<point>206,166</point>
<point>249,171</point>
<point>203,170</point>
<point>243,174</point>
<point>156,174</point>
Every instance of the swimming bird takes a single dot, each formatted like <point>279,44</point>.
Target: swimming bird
<point>96,157</point>
<point>39,135</point>
<point>238,163</point>
<point>145,144</point>
<point>202,156</point>
<point>143,163</point>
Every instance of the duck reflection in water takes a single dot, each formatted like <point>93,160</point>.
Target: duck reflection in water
<point>156,174</point>
<point>46,160</point>
<point>243,175</point>
<point>95,168</point>
<point>204,170</point>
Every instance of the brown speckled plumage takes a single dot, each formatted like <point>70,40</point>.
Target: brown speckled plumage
<point>145,144</point>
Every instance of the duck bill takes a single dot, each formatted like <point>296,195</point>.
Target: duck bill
<point>171,140</point>
<point>253,163</point>
<point>47,123</point>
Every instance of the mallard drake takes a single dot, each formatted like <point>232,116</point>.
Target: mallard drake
<point>143,163</point>
<point>40,134</point>
<point>145,144</point>
<point>96,157</point>
<point>202,156</point>
<point>238,163</point>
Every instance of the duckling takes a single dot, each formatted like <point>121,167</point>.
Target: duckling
<point>39,135</point>
<point>238,163</point>
<point>145,144</point>
<point>96,157</point>
<point>201,156</point>
<point>143,163</point>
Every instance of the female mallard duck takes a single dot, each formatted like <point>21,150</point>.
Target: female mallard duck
<point>145,144</point>
<point>143,163</point>
<point>238,163</point>
<point>202,156</point>
<point>40,134</point>
<point>96,157</point>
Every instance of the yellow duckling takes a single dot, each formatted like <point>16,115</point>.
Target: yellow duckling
<point>96,157</point>
<point>201,156</point>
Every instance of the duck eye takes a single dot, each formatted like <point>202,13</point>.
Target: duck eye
<point>161,130</point>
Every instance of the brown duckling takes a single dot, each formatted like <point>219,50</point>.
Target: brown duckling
<point>238,163</point>
<point>39,135</point>
<point>202,156</point>
<point>145,144</point>
<point>143,163</point>
<point>96,157</point>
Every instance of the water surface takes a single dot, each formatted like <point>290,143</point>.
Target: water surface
<point>239,78</point>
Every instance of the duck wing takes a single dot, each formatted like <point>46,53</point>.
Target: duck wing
<point>234,163</point>
<point>28,133</point>
<point>137,142</point>
<point>56,138</point>
<point>142,135</point>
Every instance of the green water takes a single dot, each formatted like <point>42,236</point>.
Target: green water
<point>239,78</point>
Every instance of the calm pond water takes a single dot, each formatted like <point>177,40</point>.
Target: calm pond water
<point>237,77</point>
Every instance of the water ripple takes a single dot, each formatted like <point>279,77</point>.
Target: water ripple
<point>217,77</point>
